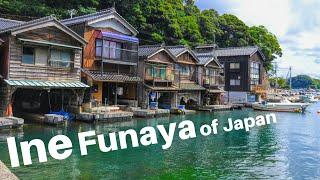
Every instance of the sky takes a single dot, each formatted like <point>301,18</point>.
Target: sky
<point>296,23</point>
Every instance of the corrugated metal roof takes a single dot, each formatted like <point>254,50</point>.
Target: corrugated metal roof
<point>45,84</point>
<point>7,23</point>
<point>112,77</point>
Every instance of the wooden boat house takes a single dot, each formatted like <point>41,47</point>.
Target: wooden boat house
<point>40,63</point>
<point>211,76</point>
<point>110,59</point>
<point>245,76</point>
<point>190,88</point>
<point>161,80</point>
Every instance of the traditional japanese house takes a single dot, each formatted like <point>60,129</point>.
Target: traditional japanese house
<point>40,67</point>
<point>161,80</point>
<point>211,76</point>
<point>245,76</point>
<point>186,64</point>
<point>110,59</point>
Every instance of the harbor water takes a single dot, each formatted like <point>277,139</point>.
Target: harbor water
<point>288,149</point>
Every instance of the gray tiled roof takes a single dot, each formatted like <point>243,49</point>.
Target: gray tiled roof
<point>145,51</point>
<point>204,58</point>
<point>236,51</point>
<point>7,23</point>
<point>176,50</point>
<point>25,24</point>
<point>88,17</point>
<point>97,15</point>
<point>40,21</point>
<point>225,52</point>
<point>112,77</point>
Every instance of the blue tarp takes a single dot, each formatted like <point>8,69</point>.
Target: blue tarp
<point>120,37</point>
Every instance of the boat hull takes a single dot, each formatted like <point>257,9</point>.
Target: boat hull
<point>298,108</point>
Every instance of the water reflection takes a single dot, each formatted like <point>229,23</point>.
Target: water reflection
<point>288,149</point>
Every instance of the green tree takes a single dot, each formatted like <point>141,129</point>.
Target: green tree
<point>268,43</point>
<point>301,81</point>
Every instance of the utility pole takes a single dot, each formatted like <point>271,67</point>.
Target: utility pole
<point>276,74</point>
<point>290,77</point>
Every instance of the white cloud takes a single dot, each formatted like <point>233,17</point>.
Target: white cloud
<point>296,23</point>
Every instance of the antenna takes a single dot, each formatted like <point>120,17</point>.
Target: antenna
<point>114,5</point>
<point>72,12</point>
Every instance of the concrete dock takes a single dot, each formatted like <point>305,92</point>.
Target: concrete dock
<point>5,173</point>
<point>149,113</point>
<point>10,122</point>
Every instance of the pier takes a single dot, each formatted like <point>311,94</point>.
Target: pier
<point>10,122</point>
<point>149,113</point>
<point>6,174</point>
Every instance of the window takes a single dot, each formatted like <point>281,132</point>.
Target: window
<point>108,49</point>
<point>98,47</point>
<point>234,65</point>
<point>28,55</point>
<point>60,58</point>
<point>184,69</point>
<point>235,80</point>
<point>41,56</point>
<point>254,73</point>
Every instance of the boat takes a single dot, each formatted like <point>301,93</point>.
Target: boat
<point>283,106</point>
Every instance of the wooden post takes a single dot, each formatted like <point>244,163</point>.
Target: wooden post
<point>116,95</point>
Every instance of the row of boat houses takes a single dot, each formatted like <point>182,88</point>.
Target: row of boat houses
<point>87,62</point>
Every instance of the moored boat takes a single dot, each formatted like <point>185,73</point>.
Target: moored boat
<point>284,106</point>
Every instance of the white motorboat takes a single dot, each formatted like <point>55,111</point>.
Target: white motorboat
<point>283,106</point>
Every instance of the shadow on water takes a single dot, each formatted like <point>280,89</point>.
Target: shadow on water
<point>288,149</point>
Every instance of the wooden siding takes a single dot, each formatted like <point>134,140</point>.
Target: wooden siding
<point>19,71</point>
<point>244,71</point>
<point>161,57</point>
<point>186,58</point>
<point>51,34</point>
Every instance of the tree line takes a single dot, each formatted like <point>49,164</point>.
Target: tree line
<point>170,21</point>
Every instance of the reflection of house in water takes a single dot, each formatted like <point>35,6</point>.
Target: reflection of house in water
<point>110,59</point>
<point>40,59</point>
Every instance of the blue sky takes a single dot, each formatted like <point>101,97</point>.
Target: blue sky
<point>296,23</point>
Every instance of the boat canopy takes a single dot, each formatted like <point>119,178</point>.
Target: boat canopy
<point>120,37</point>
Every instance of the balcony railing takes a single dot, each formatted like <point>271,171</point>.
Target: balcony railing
<point>213,81</point>
<point>117,56</point>
<point>161,74</point>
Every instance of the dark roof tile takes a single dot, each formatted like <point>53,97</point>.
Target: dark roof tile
<point>7,23</point>
<point>112,77</point>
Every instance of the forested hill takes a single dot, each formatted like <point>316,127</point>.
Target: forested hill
<point>170,21</point>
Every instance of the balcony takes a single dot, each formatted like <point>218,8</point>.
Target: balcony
<point>213,81</point>
<point>161,74</point>
<point>117,56</point>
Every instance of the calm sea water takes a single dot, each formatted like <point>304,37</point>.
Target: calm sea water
<point>288,149</point>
